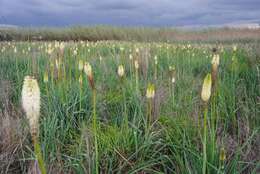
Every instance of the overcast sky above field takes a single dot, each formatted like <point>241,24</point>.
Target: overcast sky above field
<point>128,12</point>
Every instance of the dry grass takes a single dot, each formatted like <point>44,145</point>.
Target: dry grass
<point>12,135</point>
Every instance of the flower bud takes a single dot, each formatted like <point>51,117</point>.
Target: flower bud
<point>150,92</point>
<point>120,71</point>
<point>206,88</point>
<point>136,64</point>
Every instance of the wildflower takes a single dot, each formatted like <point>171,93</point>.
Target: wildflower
<point>136,64</point>
<point>57,63</point>
<point>88,71</point>
<point>81,65</point>
<point>31,103</point>
<point>75,52</point>
<point>80,80</point>
<point>234,48</point>
<point>222,155</point>
<point>45,77</point>
<point>155,60</point>
<point>206,88</point>
<point>150,92</point>
<point>130,56</point>
<point>173,80</point>
<point>120,71</point>
<point>62,46</point>
<point>49,51</point>
<point>215,60</point>
<point>214,70</point>
<point>171,68</point>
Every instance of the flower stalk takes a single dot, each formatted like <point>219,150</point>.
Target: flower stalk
<point>205,96</point>
<point>88,71</point>
<point>150,93</point>
<point>31,106</point>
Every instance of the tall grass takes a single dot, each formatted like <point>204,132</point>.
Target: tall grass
<point>107,121</point>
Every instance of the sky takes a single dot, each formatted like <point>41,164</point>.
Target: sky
<point>158,13</point>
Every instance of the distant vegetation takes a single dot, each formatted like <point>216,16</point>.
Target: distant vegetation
<point>96,33</point>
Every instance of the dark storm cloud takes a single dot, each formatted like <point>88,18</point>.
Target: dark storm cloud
<point>128,12</point>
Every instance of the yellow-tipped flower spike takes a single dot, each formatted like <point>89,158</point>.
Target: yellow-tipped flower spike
<point>130,56</point>
<point>136,64</point>
<point>31,103</point>
<point>80,80</point>
<point>81,65</point>
<point>75,52</point>
<point>222,155</point>
<point>234,48</point>
<point>88,69</point>
<point>121,71</point>
<point>206,88</point>
<point>57,63</point>
<point>155,60</point>
<point>150,91</point>
<point>173,80</point>
<point>215,60</point>
<point>45,77</point>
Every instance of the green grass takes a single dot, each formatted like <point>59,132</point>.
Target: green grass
<point>174,141</point>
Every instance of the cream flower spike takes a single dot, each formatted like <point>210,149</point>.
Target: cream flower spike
<point>121,71</point>
<point>31,103</point>
<point>206,88</point>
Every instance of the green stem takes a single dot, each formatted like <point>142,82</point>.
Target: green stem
<point>173,102</point>
<point>149,115</point>
<point>47,93</point>
<point>95,129</point>
<point>155,72</point>
<point>80,97</point>
<point>136,81</point>
<point>205,140</point>
<point>38,154</point>
<point>125,108</point>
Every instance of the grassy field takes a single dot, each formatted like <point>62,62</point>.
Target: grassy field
<point>138,109</point>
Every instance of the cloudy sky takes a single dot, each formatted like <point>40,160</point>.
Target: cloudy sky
<point>128,12</point>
